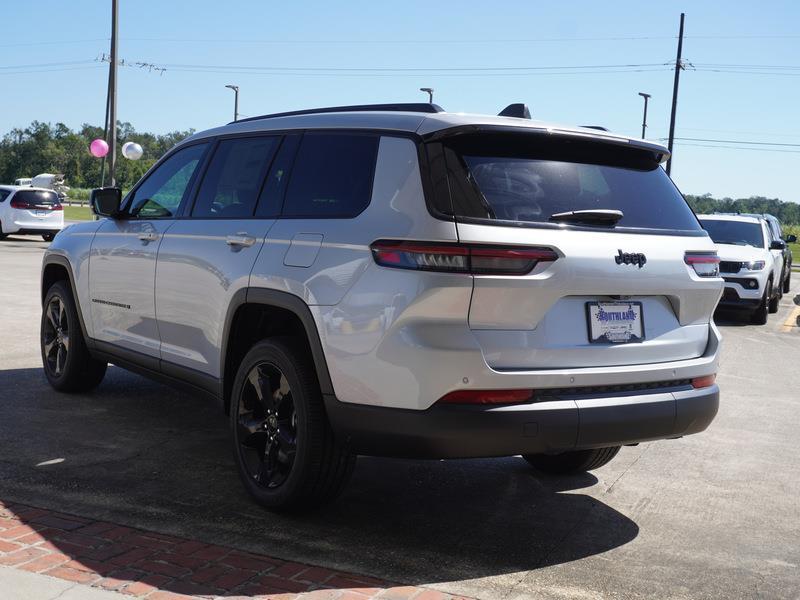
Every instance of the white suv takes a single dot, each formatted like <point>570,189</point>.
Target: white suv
<point>26,210</point>
<point>396,280</point>
<point>751,263</point>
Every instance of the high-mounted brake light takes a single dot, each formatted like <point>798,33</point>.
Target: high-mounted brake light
<point>487,397</point>
<point>460,258</point>
<point>705,264</point>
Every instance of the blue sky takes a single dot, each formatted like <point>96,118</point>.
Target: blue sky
<point>744,104</point>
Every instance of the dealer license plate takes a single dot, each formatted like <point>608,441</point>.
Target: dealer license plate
<point>615,322</point>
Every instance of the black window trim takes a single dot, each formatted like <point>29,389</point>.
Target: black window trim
<point>212,141</point>
<point>186,213</point>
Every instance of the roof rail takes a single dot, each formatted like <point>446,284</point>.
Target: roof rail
<point>598,127</point>
<point>400,107</point>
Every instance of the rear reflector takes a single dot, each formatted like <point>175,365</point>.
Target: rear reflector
<point>704,382</point>
<point>487,397</point>
<point>460,258</point>
<point>705,264</point>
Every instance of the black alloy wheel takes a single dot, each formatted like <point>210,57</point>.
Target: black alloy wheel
<point>55,336</point>
<point>286,453</point>
<point>267,426</point>
<point>68,365</point>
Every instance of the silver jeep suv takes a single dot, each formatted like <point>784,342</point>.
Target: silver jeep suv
<point>396,280</point>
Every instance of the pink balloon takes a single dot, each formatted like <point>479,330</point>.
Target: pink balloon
<point>98,148</point>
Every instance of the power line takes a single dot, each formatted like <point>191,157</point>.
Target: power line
<point>748,142</point>
<point>50,70</point>
<point>55,42</point>
<point>419,69</point>
<point>406,42</point>
<point>52,64</point>
<point>362,75</point>
<point>740,148</point>
<point>740,72</point>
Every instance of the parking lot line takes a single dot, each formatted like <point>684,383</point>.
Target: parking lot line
<point>792,320</point>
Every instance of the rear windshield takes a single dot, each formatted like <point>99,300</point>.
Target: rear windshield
<point>36,197</point>
<point>518,179</point>
<point>739,233</point>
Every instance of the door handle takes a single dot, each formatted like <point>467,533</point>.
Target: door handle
<point>240,239</point>
<point>148,236</point>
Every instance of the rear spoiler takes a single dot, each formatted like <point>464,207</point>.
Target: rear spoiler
<point>660,153</point>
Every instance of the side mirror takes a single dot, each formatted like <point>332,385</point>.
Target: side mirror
<point>778,245</point>
<point>105,202</point>
<point>791,239</point>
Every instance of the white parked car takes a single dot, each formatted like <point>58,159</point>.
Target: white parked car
<point>30,211</point>
<point>750,262</point>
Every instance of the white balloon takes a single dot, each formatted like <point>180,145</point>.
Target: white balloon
<point>132,151</point>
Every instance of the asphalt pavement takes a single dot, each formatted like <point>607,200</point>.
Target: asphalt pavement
<point>715,515</point>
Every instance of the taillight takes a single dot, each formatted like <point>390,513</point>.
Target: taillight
<point>487,397</point>
<point>19,204</point>
<point>705,264</point>
<point>703,382</point>
<point>58,207</point>
<point>460,258</point>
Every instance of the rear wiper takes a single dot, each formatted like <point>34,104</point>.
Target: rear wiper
<point>600,216</point>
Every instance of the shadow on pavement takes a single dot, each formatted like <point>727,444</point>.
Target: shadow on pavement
<point>729,317</point>
<point>140,454</point>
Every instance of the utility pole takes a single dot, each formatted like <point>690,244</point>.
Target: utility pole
<point>678,67</point>
<point>235,89</point>
<point>105,133</point>
<point>429,91</point>
<point>644,118</point>
<point>112,94</point>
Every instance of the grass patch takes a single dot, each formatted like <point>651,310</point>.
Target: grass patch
<point>77,213</point>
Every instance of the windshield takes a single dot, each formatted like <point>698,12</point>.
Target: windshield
<point>520,179</point>
<point>739,233</point>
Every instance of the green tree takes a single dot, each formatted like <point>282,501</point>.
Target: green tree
<point>45,148</point>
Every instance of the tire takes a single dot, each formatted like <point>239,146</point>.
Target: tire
<point>774,302</point>
<point>577,461</point>
<point>67,363</point>
<point>283,445</point>
<point>48,237</point>
<point>2,235</point>
<point>787,284</point>
<point>760,315</point>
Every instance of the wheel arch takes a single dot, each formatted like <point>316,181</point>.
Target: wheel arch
<point>58,268</point>
<point>257,313</point>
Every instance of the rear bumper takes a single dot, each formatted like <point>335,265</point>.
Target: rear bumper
<point>36,230</point>
<point>565,423</point>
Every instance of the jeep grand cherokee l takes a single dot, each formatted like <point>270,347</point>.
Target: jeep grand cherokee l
<point>400,281</point>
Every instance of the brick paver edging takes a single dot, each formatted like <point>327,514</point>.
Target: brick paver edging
<point>161,567</point>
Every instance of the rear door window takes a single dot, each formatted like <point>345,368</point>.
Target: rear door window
<point>332,175</point>
<point>234,177</point>
<point>517,179</point>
